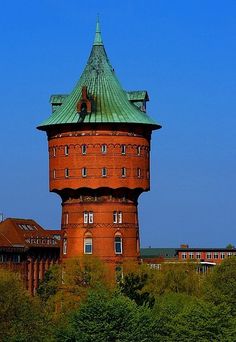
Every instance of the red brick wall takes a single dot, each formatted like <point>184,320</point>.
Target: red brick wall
<point>98,194</point>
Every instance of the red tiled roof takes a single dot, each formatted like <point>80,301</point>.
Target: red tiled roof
<point>17,232</point>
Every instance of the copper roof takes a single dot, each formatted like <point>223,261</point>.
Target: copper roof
<point>110,103</point>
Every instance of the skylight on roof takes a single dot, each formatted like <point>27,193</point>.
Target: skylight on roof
<point>26,227</point>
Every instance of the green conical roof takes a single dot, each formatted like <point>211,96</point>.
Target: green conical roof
<point>110,101</point>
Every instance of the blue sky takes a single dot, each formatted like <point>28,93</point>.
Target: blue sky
<point>183,52</point>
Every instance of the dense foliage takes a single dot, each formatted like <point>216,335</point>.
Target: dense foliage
<point>81,302</point>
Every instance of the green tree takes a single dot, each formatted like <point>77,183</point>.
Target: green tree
<point>103,318</point>
<point>177,278</point>
<point>184,318</point>
<point>21,317</point>
<point>220,284</point>
<point>51,283</point>
<point>133,286</point>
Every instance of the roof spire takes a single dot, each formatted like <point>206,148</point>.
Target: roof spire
<point>98,36</point>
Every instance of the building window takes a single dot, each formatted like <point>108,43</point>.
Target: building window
<point>54,151</point>
<point>222,255</point>
<point>88,245</point>
<point>104,149</point>
<point>3,258</point>
<point>66,218</point>
<point>230,254</point>
<point>123,172</point>
<point>65,246</point>
<point>208,255</point>
<point>139,150</point>
<point>191,255</point>
<point>84,149</point>
<point>184,255</point>
<point>84,172</point>
<point>118,245</point>
<point>85,217</point>
<point>66,150</point>
<point>66,173</point>
<point>198,255</point>
<point>216,255</point>
<point>54,174</point>
<point>90,217</point>
<point>123,149</point>
<point>117,216</point>
<point>16,258</point>
<point>104,172</point>
<point>138,172</point>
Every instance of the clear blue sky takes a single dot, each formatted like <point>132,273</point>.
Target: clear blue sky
<point>183,52</point>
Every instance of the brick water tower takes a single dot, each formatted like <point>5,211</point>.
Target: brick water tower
<point>99,161</point>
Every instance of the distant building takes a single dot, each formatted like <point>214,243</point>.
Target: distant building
<point>206,257</point>
<point>27,248</point>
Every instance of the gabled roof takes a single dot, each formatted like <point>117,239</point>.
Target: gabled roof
<point>25,233</point>
<point>110,103</point>
<point>138,95</point>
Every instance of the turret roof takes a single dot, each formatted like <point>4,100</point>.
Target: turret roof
<point>110,103</point>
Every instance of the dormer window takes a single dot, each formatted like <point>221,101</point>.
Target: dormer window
<point>83,108</point>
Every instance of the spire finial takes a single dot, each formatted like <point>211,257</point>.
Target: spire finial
<point>98,36</point>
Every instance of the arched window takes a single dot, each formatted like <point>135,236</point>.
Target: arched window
<point>118,244</point>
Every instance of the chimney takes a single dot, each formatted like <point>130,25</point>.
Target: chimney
<point>184,245</point>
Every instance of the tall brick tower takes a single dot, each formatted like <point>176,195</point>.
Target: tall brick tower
<point>99,145</point>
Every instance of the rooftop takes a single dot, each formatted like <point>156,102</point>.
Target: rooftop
<point>105,100</point>
<point>26,233</point>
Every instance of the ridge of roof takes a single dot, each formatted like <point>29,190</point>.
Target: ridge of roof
<point>108,101</point>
